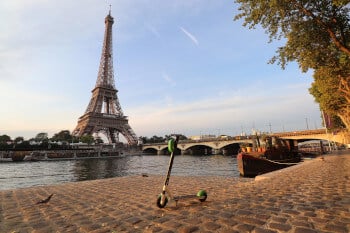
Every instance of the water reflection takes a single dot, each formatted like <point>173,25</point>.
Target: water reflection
<point>27,174</point>
<point>92,169</point>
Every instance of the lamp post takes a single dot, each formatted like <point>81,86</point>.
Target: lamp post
<point>307,123</point>
<point>270,127</point>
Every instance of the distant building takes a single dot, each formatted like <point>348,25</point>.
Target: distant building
<point>224,137</point>
<point>202,137</point>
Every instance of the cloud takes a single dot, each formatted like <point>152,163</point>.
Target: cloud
<point>189,35</point>
<point>167,78</point>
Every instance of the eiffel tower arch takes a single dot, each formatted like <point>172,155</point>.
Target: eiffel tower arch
<point>104,113</point>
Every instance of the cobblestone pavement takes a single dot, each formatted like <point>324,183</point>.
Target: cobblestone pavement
<point>307,198</point>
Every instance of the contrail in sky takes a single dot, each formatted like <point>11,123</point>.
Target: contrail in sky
<point>192,37</point>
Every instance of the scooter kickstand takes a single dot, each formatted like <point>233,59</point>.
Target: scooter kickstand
<point>176,201</point>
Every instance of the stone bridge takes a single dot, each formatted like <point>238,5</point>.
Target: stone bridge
<point>341,137</point>
<point>209,146</point>
<point>230,146</point>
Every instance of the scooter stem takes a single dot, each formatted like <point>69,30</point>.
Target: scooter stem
<point>170,164</point>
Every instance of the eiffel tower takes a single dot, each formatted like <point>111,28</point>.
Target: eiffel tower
<point>104,114</point>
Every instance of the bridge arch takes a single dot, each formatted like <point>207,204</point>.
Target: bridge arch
<point>231,149</point>
<point>199,149</point>
<point>159,148</point>
<point>150,151</point>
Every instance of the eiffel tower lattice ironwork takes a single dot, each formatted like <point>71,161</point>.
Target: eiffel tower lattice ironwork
<point>104,114</point>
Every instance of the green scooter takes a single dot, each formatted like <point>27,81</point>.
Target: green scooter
<point>165,195</point>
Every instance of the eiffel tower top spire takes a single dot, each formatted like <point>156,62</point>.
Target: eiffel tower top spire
<point>106,73</point>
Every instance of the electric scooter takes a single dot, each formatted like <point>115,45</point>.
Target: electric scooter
<point>163,197</point>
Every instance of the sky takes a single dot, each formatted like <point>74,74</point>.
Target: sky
<point>179,66</point>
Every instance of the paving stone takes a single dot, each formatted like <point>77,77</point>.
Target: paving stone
<point>90,227</point>
<point>262,230</point>
<point>134,220</point>
<point>244,228</point>
<point>310,214</point>
<point>279,220</point>
<point>280,226</point>
<point>300,223</point>
<point>304,230</point>
<point>227,222</point>
<point>167,231</point>
<point>188,229</point>
<point>338,228</point>
<point>263,217</point>
<point>211,226</point>
<point>101,231</point>
<point>253,221</point>
<point>291,212</point>
<point>226,215</point>
<point>243,212</point>
<point>228,231</point>
<point>151,230</point>
<point>171,224</point>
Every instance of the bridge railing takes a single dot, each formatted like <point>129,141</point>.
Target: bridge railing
<point>299,133</point>
<point>203,140</point>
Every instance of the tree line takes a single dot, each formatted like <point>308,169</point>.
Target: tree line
<point>60,140</point>
<point>63,140</point>
<point>158,139</point>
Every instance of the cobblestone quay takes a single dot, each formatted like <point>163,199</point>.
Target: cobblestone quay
<point>307,198</point>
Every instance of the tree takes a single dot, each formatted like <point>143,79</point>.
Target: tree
<point>143,139</point>
<point>153,139</point>
<point>18,140</point>
<point>313,29</point>
<point>4,139</point>
<point>89,139</point>
<point>325,89</point>
<point>317,34</point>
<point>62,136</point>
<point>40,137</point>
<point>158,139</point>
<point>181,137</point>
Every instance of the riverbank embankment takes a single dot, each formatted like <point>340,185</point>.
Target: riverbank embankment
<point>312,197</point>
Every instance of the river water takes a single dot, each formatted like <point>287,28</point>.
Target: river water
<point>15,175</point>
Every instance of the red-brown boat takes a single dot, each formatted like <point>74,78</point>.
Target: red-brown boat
<point>276,154</point>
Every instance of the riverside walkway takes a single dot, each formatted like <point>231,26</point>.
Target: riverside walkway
<point>307,198</point>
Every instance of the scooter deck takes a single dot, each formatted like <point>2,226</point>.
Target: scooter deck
<point>176,198</point>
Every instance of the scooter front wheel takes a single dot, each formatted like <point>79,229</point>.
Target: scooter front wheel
<point>159,201</point>
<point>202,195</point>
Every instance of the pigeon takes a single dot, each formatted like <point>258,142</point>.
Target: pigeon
<point>45,200</point>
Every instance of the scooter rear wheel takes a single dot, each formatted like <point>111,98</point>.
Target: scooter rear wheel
<point>159,204</point>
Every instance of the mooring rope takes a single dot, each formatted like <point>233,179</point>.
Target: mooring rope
<point>281,162</point>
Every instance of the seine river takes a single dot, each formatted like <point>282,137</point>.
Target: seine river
<point>27,174</point>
